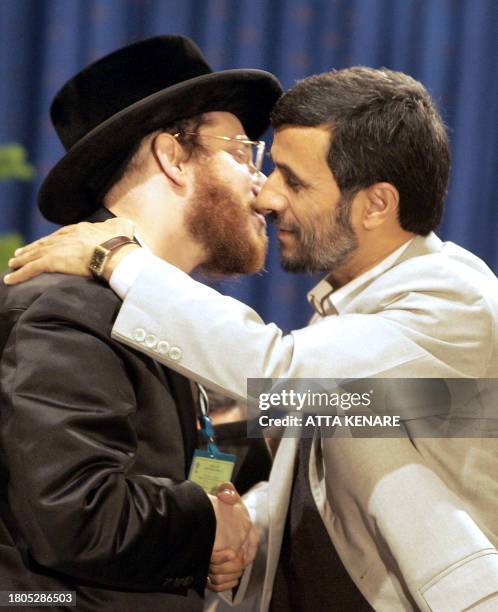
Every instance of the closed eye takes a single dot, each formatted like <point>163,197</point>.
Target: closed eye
<point>243,156</point>
<point>291,179</point>
<point>292,182</point>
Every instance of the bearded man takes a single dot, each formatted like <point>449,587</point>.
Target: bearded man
<point>97,440</point>
<point>362,162</point>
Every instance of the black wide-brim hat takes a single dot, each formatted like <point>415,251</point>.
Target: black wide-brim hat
<point>102,113</point>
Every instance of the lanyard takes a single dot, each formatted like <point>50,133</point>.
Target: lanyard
<point>210,468</point>
<point>207,429</point>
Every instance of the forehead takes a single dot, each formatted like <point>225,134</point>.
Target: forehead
<point>222,124</point>
<point>302,148</point>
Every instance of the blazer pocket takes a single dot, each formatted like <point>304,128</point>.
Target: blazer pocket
<point>464,583</point>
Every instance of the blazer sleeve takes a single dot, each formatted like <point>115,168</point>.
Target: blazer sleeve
<point>194,322</point>
<point>69,440</point>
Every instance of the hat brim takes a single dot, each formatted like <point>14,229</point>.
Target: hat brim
<point>71,189</point>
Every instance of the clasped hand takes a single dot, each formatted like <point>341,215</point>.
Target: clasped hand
<point>236,540</point>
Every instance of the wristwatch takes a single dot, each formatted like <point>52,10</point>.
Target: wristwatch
<point>102,252</point>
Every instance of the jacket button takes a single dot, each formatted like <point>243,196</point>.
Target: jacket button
<point>150,340</point>
<point>163,347</point>
<point>175,353</point>
<point>139,334</point>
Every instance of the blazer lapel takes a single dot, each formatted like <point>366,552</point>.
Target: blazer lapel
<point>279,490</point>
<point>187,411</point>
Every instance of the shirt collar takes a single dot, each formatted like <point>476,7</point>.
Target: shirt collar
<point>326,301</point>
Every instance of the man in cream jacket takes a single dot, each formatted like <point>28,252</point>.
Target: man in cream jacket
<point>361,167</point>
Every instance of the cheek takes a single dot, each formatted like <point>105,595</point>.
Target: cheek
<point>234,175</point>
<point>300,210</point>
<point>317,212</point>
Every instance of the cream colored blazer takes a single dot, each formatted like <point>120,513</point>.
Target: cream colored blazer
<point>415,521</point>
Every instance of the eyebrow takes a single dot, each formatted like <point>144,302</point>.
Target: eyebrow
<point>290,174</point>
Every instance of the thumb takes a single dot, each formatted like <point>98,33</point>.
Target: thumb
<point>227,493</point>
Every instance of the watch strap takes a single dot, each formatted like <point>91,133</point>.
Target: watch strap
<point>102,252</point>
<point>114,243</point>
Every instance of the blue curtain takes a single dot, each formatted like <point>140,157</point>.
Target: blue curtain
<point>450,45</point>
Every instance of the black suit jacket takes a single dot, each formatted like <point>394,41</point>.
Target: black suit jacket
<point>95,442</point>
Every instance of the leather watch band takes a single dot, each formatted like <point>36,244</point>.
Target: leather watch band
<point>102,252</point>
<point>117,241</point>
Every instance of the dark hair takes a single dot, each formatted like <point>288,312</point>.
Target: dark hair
<point>384,127</point>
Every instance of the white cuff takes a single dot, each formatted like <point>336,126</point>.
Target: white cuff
<point>128,270</point>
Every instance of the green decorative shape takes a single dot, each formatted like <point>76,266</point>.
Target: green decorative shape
<point>13,163</point>
<point>8,244</point>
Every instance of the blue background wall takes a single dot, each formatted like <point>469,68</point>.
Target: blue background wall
<point>450,45</point>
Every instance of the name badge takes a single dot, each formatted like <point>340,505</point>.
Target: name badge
<point>210,470</point>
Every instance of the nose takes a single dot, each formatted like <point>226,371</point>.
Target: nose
<point>258,180</point>
<point>269,199</point>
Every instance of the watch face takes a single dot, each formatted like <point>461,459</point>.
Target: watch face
<point>97,262</point>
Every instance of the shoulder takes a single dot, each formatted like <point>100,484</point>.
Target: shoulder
<point>443,301</point>
<point>61,296</point>
<point>452,275</point>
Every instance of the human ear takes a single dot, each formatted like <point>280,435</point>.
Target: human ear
<point>382,203</point>
<point>170,157</point>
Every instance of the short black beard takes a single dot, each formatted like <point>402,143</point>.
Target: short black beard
<point>327,253</point>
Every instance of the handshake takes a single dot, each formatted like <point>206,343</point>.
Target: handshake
<point>236,540</point>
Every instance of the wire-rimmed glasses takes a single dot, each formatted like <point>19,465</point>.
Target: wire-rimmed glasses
<point>244,151</point>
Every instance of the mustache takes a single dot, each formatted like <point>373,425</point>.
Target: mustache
<point>275,219</point>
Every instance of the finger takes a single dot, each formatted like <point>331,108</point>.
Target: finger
<point>228,487</point>
<point>223,556</point>
<point>224,578</point>
<point>227,493</point>
<point>43,243</point>
<point>25,257</point>
<point>31,269</point>
<point>231,567</point>
<point>219,588</point>
<point>27,247</point>
<point>67,229</point>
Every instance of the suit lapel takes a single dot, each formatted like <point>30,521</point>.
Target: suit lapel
<point>279,490</point>
<point>187,411</point>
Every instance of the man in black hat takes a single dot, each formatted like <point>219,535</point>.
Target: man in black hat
<point>361,166</point>
<point>97,440</point>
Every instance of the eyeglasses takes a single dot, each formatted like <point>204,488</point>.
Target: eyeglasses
<point>248,152</point>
